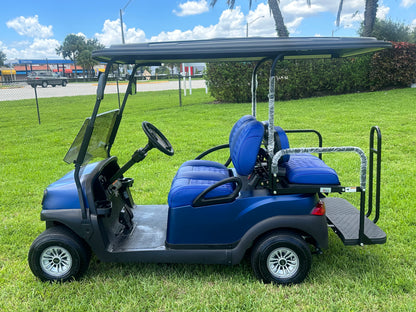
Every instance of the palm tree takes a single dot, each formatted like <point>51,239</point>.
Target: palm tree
<point>281,28</point>
<point>341,2</point>
<point>369,17</point>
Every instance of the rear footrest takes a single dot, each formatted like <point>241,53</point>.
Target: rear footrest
<point>345,221</point>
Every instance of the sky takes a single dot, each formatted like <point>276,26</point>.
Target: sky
<point>34,29</point>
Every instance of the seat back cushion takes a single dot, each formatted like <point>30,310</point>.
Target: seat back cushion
<point>281,142</point>
<point>245,146</point>
<point>238,125</point>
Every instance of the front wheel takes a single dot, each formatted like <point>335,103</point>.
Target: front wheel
<point>44,84</point>
<point>281,259</point>
<point>64,83</point>
<point>58,255</point>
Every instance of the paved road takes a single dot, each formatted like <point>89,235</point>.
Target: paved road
<point>24,91</point>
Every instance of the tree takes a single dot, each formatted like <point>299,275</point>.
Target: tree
<point>3,58</point>
<point>281,28</point>
<point>72,46</point>
<point>85,55</point>
<point>390,31</point>
<point>413,36</point>
<point>162,70</point>
<point>370,14</point>
<point>172,66</point>
<point>369,17</point>
<point>341,3</point>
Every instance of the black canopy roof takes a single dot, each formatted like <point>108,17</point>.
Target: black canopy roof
<point>237,49</point>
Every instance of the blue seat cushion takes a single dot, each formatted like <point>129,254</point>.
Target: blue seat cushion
<point>281,142</point>
<point>309,169</point>
<point>193,177</point>
<point>237,126</point>
<point>184,190</point>
<point>203,170</point>
<point>245,146</point>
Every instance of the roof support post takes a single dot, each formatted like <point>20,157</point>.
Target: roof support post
<point>83,150</point>
<point>254,85</point>
<point>272,89</point>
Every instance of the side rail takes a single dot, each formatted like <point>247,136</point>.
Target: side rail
<point>309,131</point>
<point>359,151</point>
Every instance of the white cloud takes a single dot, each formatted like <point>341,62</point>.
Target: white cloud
<point>111,33</point>
<point>230,24</point>
<point>407,3</point>
<point>351,16</point>
<point>260,22</point>
<point>293,25</point>
<point>300,7</point>
<point>192,8</point>
<point>80,34</point>
<point>38,49</point>
<point>30,26</point>
<point>413,24</point>
<point>382,12</point>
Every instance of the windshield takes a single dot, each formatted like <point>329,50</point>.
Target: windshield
<point>98,145</point>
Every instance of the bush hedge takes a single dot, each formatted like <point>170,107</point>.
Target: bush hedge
<point>396,67</point>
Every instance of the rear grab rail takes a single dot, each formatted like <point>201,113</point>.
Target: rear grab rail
<point>375,130</point>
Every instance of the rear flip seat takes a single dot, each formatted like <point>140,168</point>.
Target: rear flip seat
<point>309,169</point>
<point>303,168</point>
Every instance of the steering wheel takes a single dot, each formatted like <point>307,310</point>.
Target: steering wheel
<point>157,139</point>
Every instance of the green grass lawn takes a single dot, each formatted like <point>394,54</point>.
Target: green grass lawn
<point>369,278</point>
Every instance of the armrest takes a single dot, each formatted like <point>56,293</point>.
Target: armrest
<point>213,149</point>
<point>200,200</point>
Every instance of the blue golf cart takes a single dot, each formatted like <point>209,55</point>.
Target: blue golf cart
<point>268,201</point>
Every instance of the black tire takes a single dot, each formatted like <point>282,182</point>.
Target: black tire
<point>44,84</point>
<point>64,83</point>
<point>282,259</point>
<point>57,254</point>
<point>54,85</point>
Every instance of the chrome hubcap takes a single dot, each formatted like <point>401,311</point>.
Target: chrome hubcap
<point>56,261</point>
<point>283,262</point>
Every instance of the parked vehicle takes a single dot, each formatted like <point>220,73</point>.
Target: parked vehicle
<point>274,203</point>
<point>45,78</point>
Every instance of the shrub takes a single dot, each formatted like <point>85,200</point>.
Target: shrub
<point>394,67</point>
<point>231,82</point>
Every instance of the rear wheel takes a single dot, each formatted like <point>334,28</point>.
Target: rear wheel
<point>281,259</point>
<point>58,255</point>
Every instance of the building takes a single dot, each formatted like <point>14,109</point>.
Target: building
<point>23,67</point>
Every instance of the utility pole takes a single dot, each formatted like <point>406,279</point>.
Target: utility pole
<point>247,22</point>
<point>121,25</point>
<point>121,20</point>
